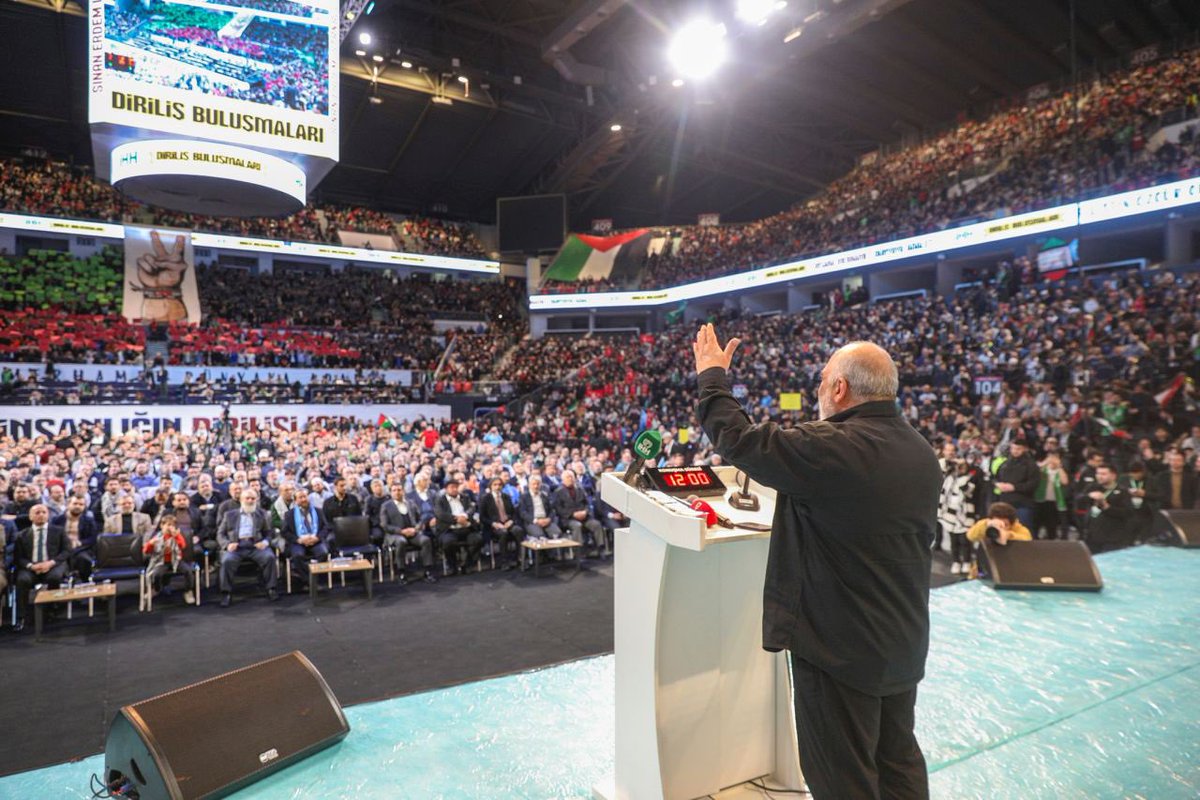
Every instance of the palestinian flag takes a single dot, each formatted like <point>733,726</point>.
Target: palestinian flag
<point>583,257</point>
<point>386,422</point>
<point>1165,397</point>
<point>1109,430</point>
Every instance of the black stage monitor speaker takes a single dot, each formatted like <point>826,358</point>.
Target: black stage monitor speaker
<point>1182,527</point>
<point>1043,565</point>
<point>216,736</point>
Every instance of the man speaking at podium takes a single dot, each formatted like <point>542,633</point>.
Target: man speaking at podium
<point>847,583</point>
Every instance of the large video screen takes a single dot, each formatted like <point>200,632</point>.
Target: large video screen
<point>257,72</point>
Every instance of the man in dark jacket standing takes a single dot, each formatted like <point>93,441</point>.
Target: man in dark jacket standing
<point>1015,479</point>
<point>847,583</point>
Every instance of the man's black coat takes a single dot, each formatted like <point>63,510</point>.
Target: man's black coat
<point>847,583</point>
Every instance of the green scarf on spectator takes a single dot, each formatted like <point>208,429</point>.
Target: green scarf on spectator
<point>1060,494</point>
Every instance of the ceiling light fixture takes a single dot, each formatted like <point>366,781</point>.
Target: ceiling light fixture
<point>698,48</point>
<point>364,38</point>
<point>755,12</point>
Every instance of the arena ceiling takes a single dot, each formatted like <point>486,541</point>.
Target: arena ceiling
<point>775,124</point>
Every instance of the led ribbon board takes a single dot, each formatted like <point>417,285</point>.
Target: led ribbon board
<point>1111,207</point>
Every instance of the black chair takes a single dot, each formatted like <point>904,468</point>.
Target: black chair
<point>352,538</point>
<point>119,558</point>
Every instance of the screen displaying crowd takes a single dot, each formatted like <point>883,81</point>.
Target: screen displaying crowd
<point>221,53</point>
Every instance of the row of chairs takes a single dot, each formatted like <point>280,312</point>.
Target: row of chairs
<point>118,557</point>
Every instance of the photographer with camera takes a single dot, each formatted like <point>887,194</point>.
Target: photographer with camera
<point>1001,526</point>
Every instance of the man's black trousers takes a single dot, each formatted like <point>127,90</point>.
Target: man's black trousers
<point>855,746</point>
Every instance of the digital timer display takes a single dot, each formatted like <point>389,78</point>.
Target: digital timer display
<point>701,481</point>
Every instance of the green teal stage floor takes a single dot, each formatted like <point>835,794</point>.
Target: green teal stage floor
<point>1027,695</point>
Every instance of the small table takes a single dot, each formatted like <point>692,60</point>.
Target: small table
<point>85,591</point>
<point>336,565</point>
<point>537,546</point>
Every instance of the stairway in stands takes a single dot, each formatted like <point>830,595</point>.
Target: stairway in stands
<point>158,346</point>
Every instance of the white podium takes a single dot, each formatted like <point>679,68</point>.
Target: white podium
<point>700,705</point>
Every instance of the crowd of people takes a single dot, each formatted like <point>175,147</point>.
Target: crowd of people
<point>66,311</point>
<point>52,279</point>
<point>47,188</point>
<point>453,492</point>
<point>289,7</point>
<point>439,237</point>
<point>278,64</point>
<point>1090,424</point>
<point>581,286</point>
<point>1034,155</point>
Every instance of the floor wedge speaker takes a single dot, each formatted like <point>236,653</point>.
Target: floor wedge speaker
<point>1182,527</point>
<point>216,736</point>
<point>1043,565</point>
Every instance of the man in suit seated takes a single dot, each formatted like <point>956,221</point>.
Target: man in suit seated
<point>126,520</point>
<point>1175,487</point>
<point>611,519</point>
<point>402,529</point>
<point>40,557</point>
<point>498,521</point>
<point>245,533</point>
<point>81,530</point>
<point>537,512</point>
<point>306,534</point>
<point>574,516</point>
<point>457,527</point>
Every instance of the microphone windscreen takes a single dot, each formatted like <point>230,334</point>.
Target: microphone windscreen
<point>710,514</point>
<point>648,444</point>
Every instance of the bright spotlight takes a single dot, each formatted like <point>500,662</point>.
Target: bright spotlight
<point>406,64</point>
<point>755,12</point>
<point>615,127</point>
<point>364,38</point>
<point>677,82</point>
<point>698,48</point>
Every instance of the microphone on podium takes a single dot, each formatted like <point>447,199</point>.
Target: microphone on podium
<point>711,517</point>
<point>646,447</point>
<point>742,499</point>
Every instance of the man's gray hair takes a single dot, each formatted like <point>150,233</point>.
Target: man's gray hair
<point>869,371</point>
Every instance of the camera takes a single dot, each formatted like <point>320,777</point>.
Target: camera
<point>992,532</point>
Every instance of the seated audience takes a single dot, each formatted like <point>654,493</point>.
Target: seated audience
<point>168,553</point>
<point>575,516</point>
<point>306,533</point>
<point>498,522</point>
<point>126,520</point>
<point>457,528</point>
<point>40,558</point>
<point>538,512</point>
<point>403,529</point>
<point>246,535</point>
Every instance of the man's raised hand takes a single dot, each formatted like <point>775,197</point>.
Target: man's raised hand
<point>708,350</point>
